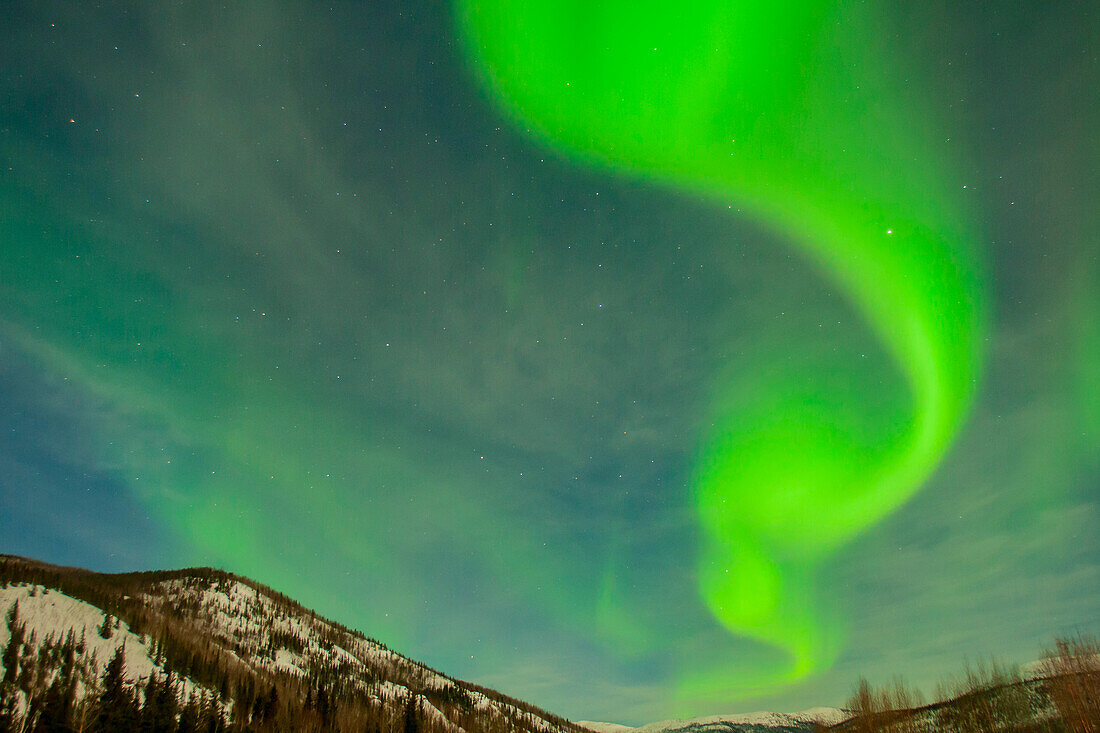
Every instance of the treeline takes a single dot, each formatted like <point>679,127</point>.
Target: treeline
<point>1063,698</point>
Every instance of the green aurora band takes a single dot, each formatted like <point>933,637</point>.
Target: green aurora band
<point>795,113</point>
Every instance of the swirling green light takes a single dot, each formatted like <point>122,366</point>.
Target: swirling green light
<point>795,111</point>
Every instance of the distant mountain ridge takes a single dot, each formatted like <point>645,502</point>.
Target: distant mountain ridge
<point>760,722</point>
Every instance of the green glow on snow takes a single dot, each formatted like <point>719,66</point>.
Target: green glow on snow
<point>794,112</point>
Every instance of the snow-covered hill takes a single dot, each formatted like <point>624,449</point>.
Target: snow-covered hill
<point>231,649</point>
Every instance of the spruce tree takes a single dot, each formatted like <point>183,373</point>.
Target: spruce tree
<point>54,712</point>
<point>319,702</point>
<point>149,706</point>
<point>412,714</point>
<point>168,705</point>
<point>213,716</point>
<point>106,629</point>
<point>158,714</point>
<point>265,706</point>
<point>190,716</point>
<point>7,709</point>
<point>116,708</point>
<point>10,658</point>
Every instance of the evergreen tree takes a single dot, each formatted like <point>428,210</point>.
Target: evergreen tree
<point>106,629</point>
<point>7,709</point>
<point>67,675</point>
<point>7,685</point>
<point>27,666</point>
<point>53,711</point>
<point>158,714</point>
<point>116,707</point>
<point>168,705</point>
<point>323,704</point>
<point>213,719</point>
<point>412,714</point>
<point>10,658</point>
<point>265,707</point>
<point>149,706</point>
<point>190,716</point>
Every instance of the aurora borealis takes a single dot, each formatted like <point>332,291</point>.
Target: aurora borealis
<point>790,466</point>
<point>638,362</point>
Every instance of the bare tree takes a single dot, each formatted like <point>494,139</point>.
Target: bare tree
<point>1072,669</point>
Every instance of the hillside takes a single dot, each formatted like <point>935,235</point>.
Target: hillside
<point>203,649</point>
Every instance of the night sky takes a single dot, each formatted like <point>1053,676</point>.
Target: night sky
<point>637,362</point>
